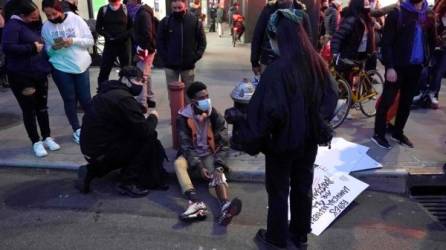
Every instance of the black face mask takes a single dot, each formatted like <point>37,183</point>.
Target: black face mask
<point>56,20</point>
<point>178,14</point>
<point>135,89</point>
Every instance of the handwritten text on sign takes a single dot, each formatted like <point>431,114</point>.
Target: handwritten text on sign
<point>332,193</point>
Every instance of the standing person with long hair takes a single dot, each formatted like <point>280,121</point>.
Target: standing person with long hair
<point>27,68</point>
<point>67,40</point>
<point>296,96</point>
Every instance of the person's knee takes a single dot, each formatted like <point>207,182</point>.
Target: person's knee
<point>29,91</point>
<point>180,164</point>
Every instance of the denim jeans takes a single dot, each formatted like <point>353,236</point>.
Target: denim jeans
<point>147,93</point>
<point>73,88</point>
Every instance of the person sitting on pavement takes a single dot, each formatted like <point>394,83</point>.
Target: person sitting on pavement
<point>116,135</point>
<point>203,140</point>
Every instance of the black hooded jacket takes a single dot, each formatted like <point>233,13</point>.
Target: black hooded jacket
<point>181,42</point>
<point>115,116</point>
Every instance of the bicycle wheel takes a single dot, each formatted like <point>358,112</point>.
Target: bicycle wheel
<point>343,105</point>
<point>370,88</point>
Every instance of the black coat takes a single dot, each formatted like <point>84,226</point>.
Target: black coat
<point>261,51</point>
<point>347,39</point>
<point>398,36</point>
<point>144,32</point>
<point>114,116</point>
<point>278,120</point>
<point>181,42</point>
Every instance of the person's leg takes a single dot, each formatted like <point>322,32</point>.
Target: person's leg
<point>387,98</point>
<point>277,183</point>
<point>82,86</point>
<point>147,96</point>
<point>438,75</point>
<point>124,54</point>
<point>182,174</point>
<point>301,195</point>
<point>41,98</point>
<point>109,55</point>
<point>171,75</point>
<point>65,82</point>
<point>409,84</point>
<point>219,29</point>
<point>25,99</point>
<point>188,77</point>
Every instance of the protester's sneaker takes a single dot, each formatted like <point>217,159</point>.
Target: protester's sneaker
<point>434,100</point>
<point>51,144</point>
<point>381,142</point>
<point>39,149</point>
<point>261,238</point>
<point>402,139</point>
<point>229,210</point>
<point>195,211</point>
<point>77,135</point>
<point>132,190</point>
<point>418,97</point>
<point>84,178</point>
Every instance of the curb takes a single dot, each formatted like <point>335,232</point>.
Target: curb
<point>387,180</point>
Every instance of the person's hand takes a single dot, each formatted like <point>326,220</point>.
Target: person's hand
<point>218,176</point>
<point>391,75</point>
<point>155,113</point>
<point>39,47</point>
<point>205,173</point>
<point>67,42</point>
<point>256,70</point>
<point>57,45</point>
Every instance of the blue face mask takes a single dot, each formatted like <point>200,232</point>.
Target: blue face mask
<point>204,105</point>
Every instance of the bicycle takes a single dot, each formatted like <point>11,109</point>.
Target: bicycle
<point>360,93</point>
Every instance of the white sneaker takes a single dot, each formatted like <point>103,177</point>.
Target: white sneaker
<point>51,144</point>
<point>195,211</point>
<point>417,97</point>
<point>434,100</point>
<point>77,135</point>
<point>39,149</point>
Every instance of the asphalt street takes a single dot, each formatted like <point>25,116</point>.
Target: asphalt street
<point>40,209</point>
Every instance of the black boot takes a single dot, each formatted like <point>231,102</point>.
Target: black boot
<point>265,244</point>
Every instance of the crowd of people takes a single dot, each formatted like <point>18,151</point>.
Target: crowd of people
<point>287,117</point>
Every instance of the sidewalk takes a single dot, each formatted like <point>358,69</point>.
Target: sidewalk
<point>221,68</point>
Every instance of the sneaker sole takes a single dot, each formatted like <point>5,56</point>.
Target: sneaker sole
<point>200,215</point>
<point>234,209</point>
<point>379,145</point>
<point>126,192</point>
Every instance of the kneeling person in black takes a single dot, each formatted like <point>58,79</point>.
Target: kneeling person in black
<point>116,135</point>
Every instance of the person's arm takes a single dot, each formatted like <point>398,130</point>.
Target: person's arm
<point>380,12</point>
<point>12,45</point>
<point>186,144</point>
<point>345,29</point>
<point>329,98</point>
<point>131,113</point>
<point>85,40</point>
<point>201,43</point>
<point>161,39</point>
<point>257,38</point>
<point>100,24</point>
<point>143,31</point>
<point>389,36</point>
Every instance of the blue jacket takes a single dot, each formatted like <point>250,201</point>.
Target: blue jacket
<point>21,54</point>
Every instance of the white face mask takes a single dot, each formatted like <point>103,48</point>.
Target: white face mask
<point>274,46</point>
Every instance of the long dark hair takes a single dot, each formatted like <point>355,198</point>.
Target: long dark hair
<point>440,8</point>
<point>304,66</point>
<point>25,8</point>
<point>55,4</point>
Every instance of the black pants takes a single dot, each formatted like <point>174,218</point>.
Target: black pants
<point>113,50</point>
<point>212,25</point>
<point>283,172</point>
<point>140,162</point>
<point>407,82</point>
<point>33,105</point>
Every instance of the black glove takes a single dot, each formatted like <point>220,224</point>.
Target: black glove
<point>234,115</point>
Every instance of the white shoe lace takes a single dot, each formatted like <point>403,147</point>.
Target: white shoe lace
<point>51,144</point>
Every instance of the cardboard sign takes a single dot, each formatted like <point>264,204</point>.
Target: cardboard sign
<point>332,194</point>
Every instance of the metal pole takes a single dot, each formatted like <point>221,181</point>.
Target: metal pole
<point>90,9</point>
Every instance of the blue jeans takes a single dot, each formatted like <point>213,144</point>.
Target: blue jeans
<point>73,88</point>
<point>439,71</point>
